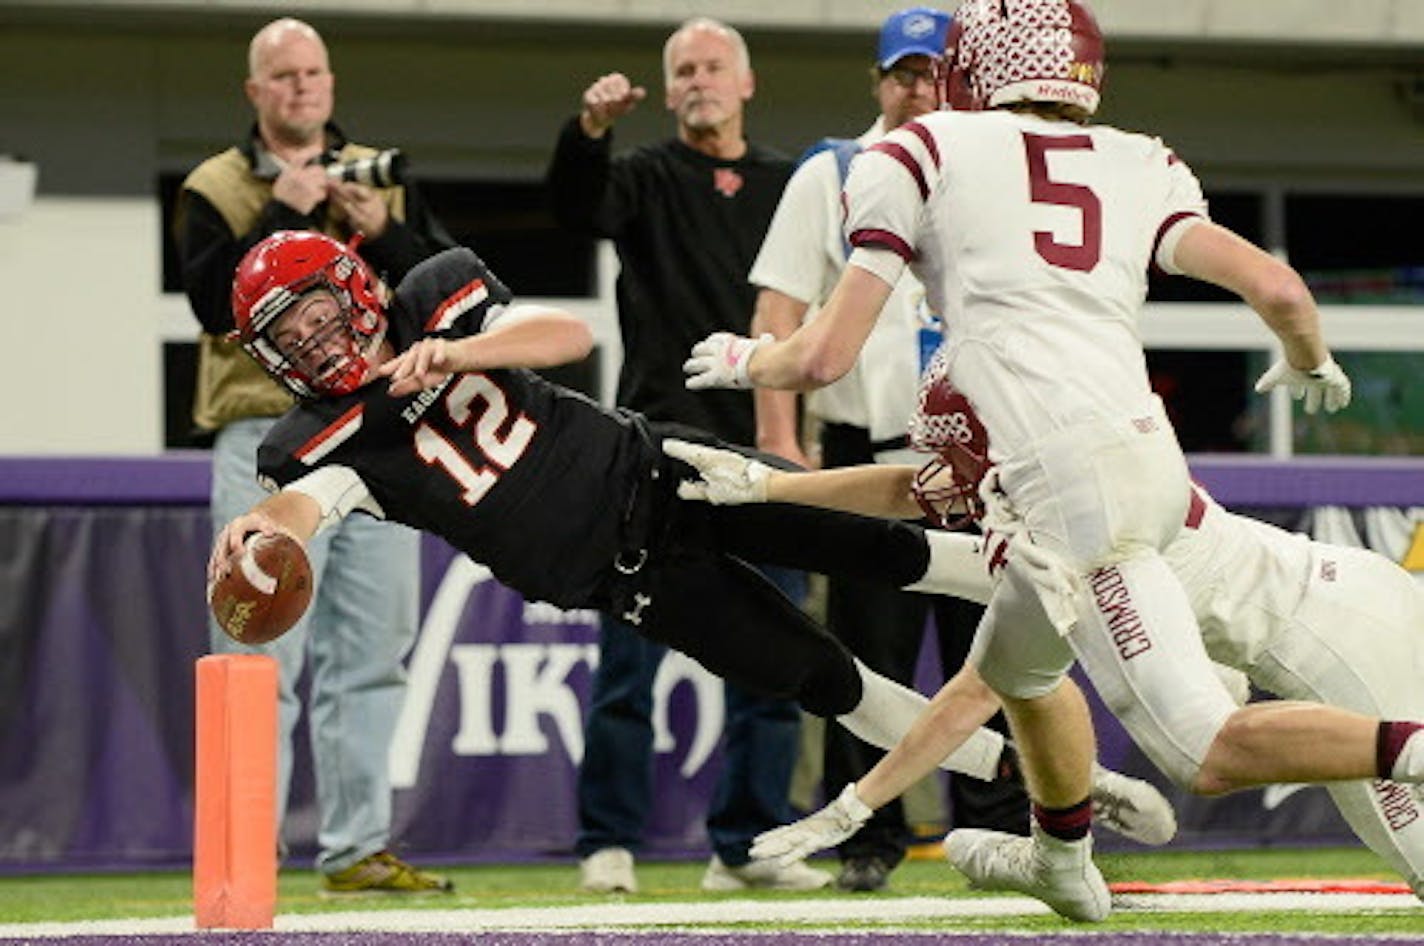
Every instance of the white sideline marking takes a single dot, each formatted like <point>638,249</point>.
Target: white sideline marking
<point>705,913</point>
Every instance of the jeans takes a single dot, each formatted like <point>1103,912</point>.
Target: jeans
<point>361,623</point>
<point>615,780</point>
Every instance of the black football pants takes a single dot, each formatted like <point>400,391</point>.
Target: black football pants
<point>707,602</point>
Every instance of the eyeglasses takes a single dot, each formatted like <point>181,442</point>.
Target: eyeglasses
<point>906,77</point>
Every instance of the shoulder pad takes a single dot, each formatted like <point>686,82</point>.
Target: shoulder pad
<point>277,462</point>
<point>440,293</point>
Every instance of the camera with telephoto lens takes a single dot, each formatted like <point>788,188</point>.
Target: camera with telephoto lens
<point>386,169</point>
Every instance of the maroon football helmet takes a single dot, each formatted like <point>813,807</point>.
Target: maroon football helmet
<point>274,275</point>
<point>1003,51</point>
<point>947,487</point>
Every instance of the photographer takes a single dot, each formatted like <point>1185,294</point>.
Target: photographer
<point>364,617</point>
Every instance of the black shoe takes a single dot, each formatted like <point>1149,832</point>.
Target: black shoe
<point>863,874</point>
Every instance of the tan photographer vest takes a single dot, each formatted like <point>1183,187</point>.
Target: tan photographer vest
<point>231,385</point>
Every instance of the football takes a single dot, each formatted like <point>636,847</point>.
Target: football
<point>266,592</point>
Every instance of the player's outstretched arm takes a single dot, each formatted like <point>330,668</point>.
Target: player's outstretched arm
<point>1131,807</point>
<point>961,706</point>
<point>290,512</point>
<point>873,489</point>
<point>823,829</point>
<point>724,477</point>
<point>728,478</point>
<point>1210,252</point>
<point>951,717</point>
<point>522,337</point>
<point>812,357</point>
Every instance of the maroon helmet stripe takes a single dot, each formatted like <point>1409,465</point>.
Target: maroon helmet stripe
<point>907,161</point>
<point>885,239</point>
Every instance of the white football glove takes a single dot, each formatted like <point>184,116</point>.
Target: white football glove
<point>728,478</point>
<point>826,828</point>
<point>1325,384</point>
<point>721,360</point>
<point>1059,587</point>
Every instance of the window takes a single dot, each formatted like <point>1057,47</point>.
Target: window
<point>1348,248</point>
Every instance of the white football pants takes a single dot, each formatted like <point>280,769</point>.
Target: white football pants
<point>1357,641</point>
<point>1091,507</point>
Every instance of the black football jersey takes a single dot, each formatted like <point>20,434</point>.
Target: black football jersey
<point>525,477</point>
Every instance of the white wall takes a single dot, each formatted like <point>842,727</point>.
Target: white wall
<point>1385,22</point>
<point>80,289</point>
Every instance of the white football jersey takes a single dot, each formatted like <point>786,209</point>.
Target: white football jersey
<point>1033,239</point>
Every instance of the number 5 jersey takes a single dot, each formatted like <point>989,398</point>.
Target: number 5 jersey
<point>1033,239</point>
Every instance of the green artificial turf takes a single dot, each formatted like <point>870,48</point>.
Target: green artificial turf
<point>66,898</point>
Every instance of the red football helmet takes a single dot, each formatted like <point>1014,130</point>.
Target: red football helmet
<point>274,275</point>
<point>947,487</point>
<point>1003,51</point>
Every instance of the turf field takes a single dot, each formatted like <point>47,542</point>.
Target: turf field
<point>538,904</point>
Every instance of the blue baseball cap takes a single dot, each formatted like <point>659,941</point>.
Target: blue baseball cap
<point>918,31</point>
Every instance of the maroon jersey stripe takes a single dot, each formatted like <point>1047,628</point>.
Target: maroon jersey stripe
<point>1167,225</point>
<point>885,239</point>
<point>907,161</point>
<point>923,133</point>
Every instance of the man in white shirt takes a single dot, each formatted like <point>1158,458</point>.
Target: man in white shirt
<point>862,418</point>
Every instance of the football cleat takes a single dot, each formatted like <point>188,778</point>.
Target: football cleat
<point>863,875</point>
<point>1131,807</point>
<point>1060,873</point>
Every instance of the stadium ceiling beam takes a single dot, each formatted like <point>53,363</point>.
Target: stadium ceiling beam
<point>1365,24</point>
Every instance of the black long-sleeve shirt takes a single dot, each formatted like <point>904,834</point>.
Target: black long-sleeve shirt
<point>687,228</point>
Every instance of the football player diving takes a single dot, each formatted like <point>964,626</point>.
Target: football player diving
<point>419,406</point>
